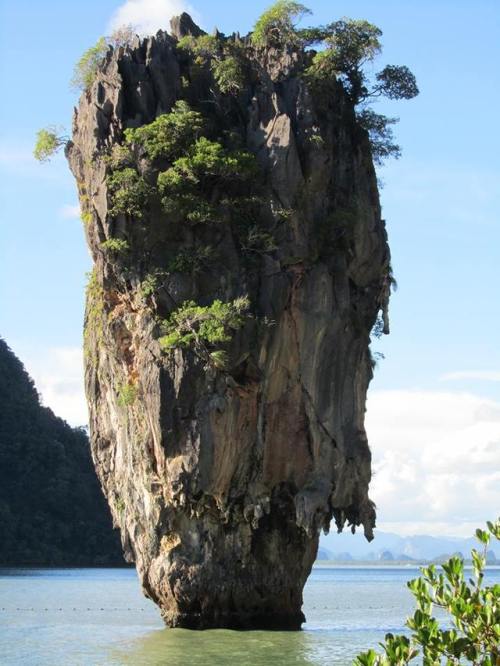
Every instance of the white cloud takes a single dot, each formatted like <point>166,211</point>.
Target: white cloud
<point>430,528</point>
<point>58,376</point>
<point>70,211</point>
<point>148,16</point>
<point>436,460</point>
<point>481,375</point>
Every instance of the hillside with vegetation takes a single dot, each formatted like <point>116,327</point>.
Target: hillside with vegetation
<point>52,512</point>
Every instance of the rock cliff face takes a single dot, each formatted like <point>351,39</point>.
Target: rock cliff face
<point>221,475</point>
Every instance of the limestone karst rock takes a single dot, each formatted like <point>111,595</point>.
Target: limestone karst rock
<point>222,461</point>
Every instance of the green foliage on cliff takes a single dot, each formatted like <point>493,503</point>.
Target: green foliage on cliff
<point>86,68</point>
<point>192,260</point>
<point>52,512</point>
<point>169,135</point>
<point>349,46</point>
<point>186,188</point>
<point>127,393</point>
<point>221,56</point>
<point>152,282</point>
<point>258,241</point>
<point>86,217</point>
<point>471,631</point>
<point>115,245</point>
<point>48,142</point>
<point>93,333</point>
<point>208,161</point>
<point>203,46</point>
<point>379,128</point>
<point>229,75</point>
<point>120,157</point>
<point>276,26</point>
<point>129,193</point>
<point>203,327</point>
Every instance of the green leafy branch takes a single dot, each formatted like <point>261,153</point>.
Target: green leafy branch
<point>473,611</point>
<point>204,328</point>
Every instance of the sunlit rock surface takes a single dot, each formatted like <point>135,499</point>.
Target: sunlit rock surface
<point>220,480</point>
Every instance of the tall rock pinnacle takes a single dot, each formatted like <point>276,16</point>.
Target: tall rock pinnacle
<point>240,260</point>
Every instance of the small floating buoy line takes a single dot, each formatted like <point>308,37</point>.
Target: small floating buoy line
<point>80,610</point>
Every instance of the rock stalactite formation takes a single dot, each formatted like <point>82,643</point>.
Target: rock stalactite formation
<point>224,450</point>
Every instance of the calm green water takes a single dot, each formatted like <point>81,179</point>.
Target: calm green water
<point>99,616</point>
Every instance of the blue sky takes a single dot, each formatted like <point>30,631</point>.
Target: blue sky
<point>441,202</point>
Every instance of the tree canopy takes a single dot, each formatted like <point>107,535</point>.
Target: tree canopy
<point>277,24</point>
<point>347,46</point>
<point>48,142</point>
<point>85,70</point>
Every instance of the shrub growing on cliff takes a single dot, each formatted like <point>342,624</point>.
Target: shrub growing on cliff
<point>86,68</point>
<point>187,187</point>
<point>379,128</point>
<point>203,327</point>
<point>276,26</point>
<point>119,157</point>
<point>203,46</point>
<point>192,260</point>
<point>170,134</point>
<point>115,246</point>
<point>222,57</point>
<point>228,73</point>
<point>472,632</point>
<point>93,335</point>
<point>48,142</point>
<point>152,282</point>
<point>127,393</point>
<point>129,193</point>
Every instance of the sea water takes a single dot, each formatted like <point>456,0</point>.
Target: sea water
<point>66,617</point>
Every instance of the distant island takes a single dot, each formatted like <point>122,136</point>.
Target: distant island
<point>52,512</point>
<point>393,549</point>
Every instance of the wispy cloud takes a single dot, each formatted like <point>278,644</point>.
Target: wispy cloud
<point>58,376</point>
<point>149,16</point>
<point>70,211</point>
<point>481,375</point>
<point>436,459</point>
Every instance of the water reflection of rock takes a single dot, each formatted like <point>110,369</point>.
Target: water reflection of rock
<point>181,647</point>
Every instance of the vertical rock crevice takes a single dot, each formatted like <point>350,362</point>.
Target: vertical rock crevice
<point>220,474</point>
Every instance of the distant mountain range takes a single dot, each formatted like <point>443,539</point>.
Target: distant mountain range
<point>389,547</point>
